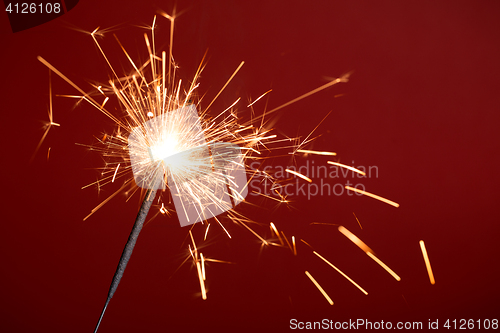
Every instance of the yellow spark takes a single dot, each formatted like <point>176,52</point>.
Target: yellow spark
<point>84,94</point>
<point>260,139</point>
<point>203,266</point>
<point>327,153</point>
<point>51,120</point>
<point>224,87</point>
<point>319,288</point>
<point>108,198</point>
<point>344,78</point>
<point>374,196</point>
<point>253,232</point>
<point>342,273</point>
<point>378,261</point>
<point>115,173</point>
<point>357,220</point>
<point>194,245</point>
<point>298,175</point>
<point>288,243</point>
<point>267,196</point>
<point>294,247</point>
<point>303,241</point>
<point>232,105</point>
<point>273,228</point>
<point>347,167</point>
<point>202,283</point>
<point>104,103</point>
<point>264,94</point>
<point>243,129</point>
<point>206,232</point>
<point>227,233</point>
<point>355,239</point>
<point>427,262</point>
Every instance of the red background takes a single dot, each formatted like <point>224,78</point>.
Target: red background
<point>422,105</point>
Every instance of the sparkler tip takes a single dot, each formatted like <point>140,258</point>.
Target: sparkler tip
<point>102,314</point>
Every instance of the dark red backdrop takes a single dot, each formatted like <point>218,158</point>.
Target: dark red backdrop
<point>422,105</point>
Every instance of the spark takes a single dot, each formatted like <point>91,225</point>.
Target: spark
<point>225,230</point>
<point>378,261</point>
<point>374,196</point>
<point>319,288</point>
<point>206,232</point>
<point>49,124</point>
<point>230,106</point>
<point>264,94</point>
<point>327,153</point>
<point>347,167</point>
<point>427,262</point>
<point>163,210</point>
<point>287,242</point>
<point>275,230</point>
<point>342,273</point>
<point>299,175</point>
<point>303,241</point>
<point>243,129</point>
<point>255,234</point>
<point>357,220</point>
<point>343,78</point>
<point>203,266</point>
<point>294,247</point>
<point>224,87</point>
<point>114,176</point>
<point>355,240</point>
<point>202,283</point>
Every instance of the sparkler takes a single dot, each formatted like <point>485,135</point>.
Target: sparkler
<point>163,142</point>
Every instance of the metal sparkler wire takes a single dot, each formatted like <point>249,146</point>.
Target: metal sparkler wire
<point>129,247</point>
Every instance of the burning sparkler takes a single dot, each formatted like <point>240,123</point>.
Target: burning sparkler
<point>164,140</point>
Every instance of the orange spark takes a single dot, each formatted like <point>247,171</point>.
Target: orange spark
<point>224,87</point>
<point>294,247</point>
<point>344,78</point>
<point>327,153</point>
<point>347,167</point>
<point>206,232</point>
<point>355,240</point>
<point>227,233</point>
<point>378,261</point>
<point>232,105</point>
<point>319,288</point>
<point>202,283</point>
<point>253,232</point>
<point>288,243</point>
<point>357,220</point>
<point>427,262</point>
<point>303,241</point>
<point>264,94</point>
<point>298,175</point>
<point>374,196</point>
<point>203,266</point>
<point>338,270</point>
